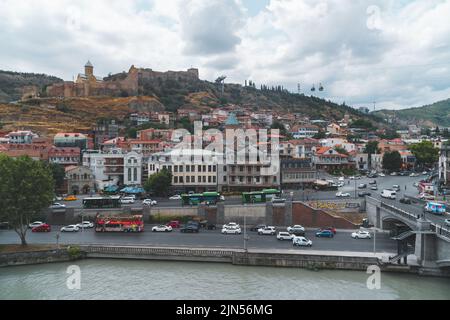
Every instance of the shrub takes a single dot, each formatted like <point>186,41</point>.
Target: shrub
<point>74,252</point>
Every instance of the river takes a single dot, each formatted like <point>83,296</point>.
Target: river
<point>132,279</point>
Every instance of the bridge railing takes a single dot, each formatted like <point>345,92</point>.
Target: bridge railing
<point>440,230</point>
<point>399,212</point>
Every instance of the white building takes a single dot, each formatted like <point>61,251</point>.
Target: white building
<point>21,137</point>
<point>338,142</point>
<point>116,167</point>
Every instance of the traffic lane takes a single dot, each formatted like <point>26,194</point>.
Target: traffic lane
<point>206,238</point>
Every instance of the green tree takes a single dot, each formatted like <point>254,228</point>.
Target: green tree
<point>58,174</point>
<point>392,161</point>
<point>278,125</point>
<point>371,148</point>
<point>320,135</point>
<point>26,188</point>
<point>425,153</point>
<point>159,183</point>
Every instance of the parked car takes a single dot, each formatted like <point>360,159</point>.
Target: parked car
<point>42,228</point>
<point>301,242</point>
<point>127,200</point>
<point>426,196</point>
<point>362,186</point>
<point>58,198</point>
<point>149,202</point>
<point>267,231</point>
<point>297,227</point>
<point>343,195</point>
<point>231,225</point>
<point>85,224</point>
<point>70,228</point>
<point>35,224</point>
<point>257,227</point>
<point>361,234</point>
<point>175,197</point>
<point>382,174</point>
<point>414,174</point>
<point>231,230</point>
<point>405,200</point>
<point>284,236</point>
<point>162,228</point>
<point>70,198</point>
<point>278,200</point>
<point>222,198</point>
<point>388,194</point>
<point>341,179</point>
<point>424,173</point>
<point>174,224</point>
<point>324,234</point>
<point>375,188</point>
<point>57,205</point>
<point>332,229</point>
<point>393,173</point>
<point>396,187</point>
<point>373,182</point>
<point>447,222</point>
<point>364,193</point>
<point>190,228</point>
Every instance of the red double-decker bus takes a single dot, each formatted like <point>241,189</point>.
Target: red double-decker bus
<point>119,223</point>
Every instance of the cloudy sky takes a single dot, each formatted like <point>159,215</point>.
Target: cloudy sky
<point>392,52</point>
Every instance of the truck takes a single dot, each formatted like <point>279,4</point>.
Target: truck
<point>389,194</point>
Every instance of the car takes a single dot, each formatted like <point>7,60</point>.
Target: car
<point>447,222</point>
<point>332,229</point>
<point>396,187</point>
<point>127,200</point>
<point>415,184</point>
<point>231,225</point>
<point>267,231</point>
<point>403,174</point>
<point>190,228</point>
<point>278,200</point>
<point>175,197</point>
<point>58,198</point>
<point>375,187</point>
<point>174,224</point>
<point>351,178</point>
<point>393,173</point>
<point>231,230</point>
<point>211,226</point>
<point>42,228</point>
<point>162,228</point>
<point>424,173</point>
<point>257,227</point>
<point>388,194</point>
<point>405,200</point>
<point>414,174</point>
<point>85,224</point>
<point>364,193</point>
<point>70,198</point>
<point>373,182</point>
<point>425,196</point>
<point>341,179</point>
<point>361,234</point>
<point>35,224</point>
<point>284,236</point>
<point>222,198</point>
<point>382,174</point>
<point>295,227</point>
<point>70,228</point>
<point>324,234</point>
<point>362,186</point>
<point>301,242</point>
<point>343,195</point>
<point>149,202</point>
<point>340,184</point>
<point>57,205</point>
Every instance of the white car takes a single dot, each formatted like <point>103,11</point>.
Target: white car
<point>343,195</point>
<point>295,227</point>
<point>278,200</point>
<point>267,230</point>
<point>35,224</point>
<point>351,178</point>
<point>361,235</point>
<point>447,222</point>
<point>57,205</point>
<point>393,173</point>
<point>175,197</point>
<point>162,228</point>
<point>424,173</point>
<point>127,200</point>
<point>231,230</point>
<point>149,202</point>
<point>70,228</point>
<point>414,174</point>
<point>85,224</point>
<point>231,225</point>
<point>301,242</point>
<point>382,174</point>
<point>222,198</point>
<point>284,236</point>
<point>58,198</point>
<point>341,179</point>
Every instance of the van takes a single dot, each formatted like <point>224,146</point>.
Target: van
<point>435,207</point>
<point>127,200</point>
<point>389,194</point>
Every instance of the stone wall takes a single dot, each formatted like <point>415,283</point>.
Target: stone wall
<point>35,257</point>
<point>309,217</point>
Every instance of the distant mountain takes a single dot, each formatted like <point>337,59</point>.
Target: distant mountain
<point>436,114</point>
<point>12,83</point>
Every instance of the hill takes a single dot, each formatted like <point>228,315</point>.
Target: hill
<point>12,83</point>
<point>436,114</point>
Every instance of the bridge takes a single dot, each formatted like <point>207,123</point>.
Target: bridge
<point>427,240</point>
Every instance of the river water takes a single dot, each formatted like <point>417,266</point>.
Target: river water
<point>134,279</point>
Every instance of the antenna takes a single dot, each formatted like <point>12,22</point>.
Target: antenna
<point>374,103</point>
<point>299,88</point>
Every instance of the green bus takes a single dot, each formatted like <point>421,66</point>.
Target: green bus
<point>260,196</point>
<point>197,198</point>
<point>102,202</point>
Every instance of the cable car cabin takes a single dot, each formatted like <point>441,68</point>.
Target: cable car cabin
<point>209,198</point>
<point>119,223</point>
<point>260,196</point>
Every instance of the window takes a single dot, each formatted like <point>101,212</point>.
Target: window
<point>199,179</point>
<point>214,168</point>
<point>188,179</point>
<point>224,178</point>
<point>204,179</point>
<point>129,174</point>
<point>192,168</point>
<point>214,179</point>
<point>135,174</point>
<point>175,179</point>
<point>209,168</point>
<point>181,168</point>
<point>199,168</point>
<point>188,168</point>
<point>209,179</point>
<point>204,168</point>
<point>175,168</point>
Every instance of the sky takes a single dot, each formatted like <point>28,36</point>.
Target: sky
<point>380,53</point>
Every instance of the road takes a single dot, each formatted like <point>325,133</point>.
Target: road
<point>206,238</point>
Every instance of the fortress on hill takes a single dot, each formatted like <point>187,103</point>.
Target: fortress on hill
<point>87,84</point>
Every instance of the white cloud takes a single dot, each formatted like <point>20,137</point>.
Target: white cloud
<point>395,53</point>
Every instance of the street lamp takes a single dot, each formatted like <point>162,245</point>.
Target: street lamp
<point>246,237</point>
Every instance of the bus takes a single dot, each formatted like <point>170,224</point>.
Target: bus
<point>119,223</point>
<point>197,198</point>
<point>260,196</point>
<point>102,202</point>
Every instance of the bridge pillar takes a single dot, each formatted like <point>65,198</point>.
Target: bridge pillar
<point>425,244</point>
<point>220,216</point>
<point>288,213</point>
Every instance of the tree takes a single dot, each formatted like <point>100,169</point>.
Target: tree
<point>371,148</point>
<point>26,188</point>
<point>159,183</point>
<point>278,125</point>
<point>58,174</point>
<point>425,153</point>
<point>320,135</point>
<point>392,161</point>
